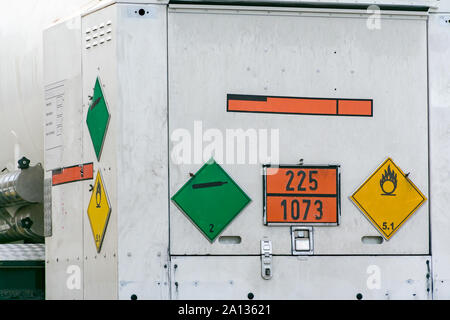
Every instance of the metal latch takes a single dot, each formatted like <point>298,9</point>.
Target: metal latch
<point>266,259</point>
<point>302,240</point>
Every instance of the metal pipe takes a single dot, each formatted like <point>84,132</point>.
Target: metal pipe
<point>21,187</point>
<point>26,224</point>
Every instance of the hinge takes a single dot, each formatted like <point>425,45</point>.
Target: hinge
<point>48,207</point>
<point>266,259</point>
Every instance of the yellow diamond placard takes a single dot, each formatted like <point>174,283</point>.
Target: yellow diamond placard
<point>388,198</point>
<point>98,211</point>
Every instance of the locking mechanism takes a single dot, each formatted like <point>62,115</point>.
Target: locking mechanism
<point>302,240</point>
<point>266,259</point>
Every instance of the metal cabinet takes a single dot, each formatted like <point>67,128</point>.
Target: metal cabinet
<point>299,53</point>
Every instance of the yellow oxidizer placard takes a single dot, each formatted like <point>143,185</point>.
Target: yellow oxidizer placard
<point>388,198</point>
<point>99,211</point>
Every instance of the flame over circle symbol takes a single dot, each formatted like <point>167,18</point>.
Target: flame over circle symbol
<point>98,195</point>
<point>388,176</point>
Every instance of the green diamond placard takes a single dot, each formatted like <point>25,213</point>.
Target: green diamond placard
<point>97,119</point>
<point>211,199</point>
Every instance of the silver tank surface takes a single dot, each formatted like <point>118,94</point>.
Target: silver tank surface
<point>26,224</point>
<point>22,186</point>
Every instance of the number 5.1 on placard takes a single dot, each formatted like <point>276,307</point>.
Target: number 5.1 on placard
<point>301,195</point>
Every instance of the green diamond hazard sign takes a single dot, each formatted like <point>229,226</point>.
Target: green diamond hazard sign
<point>211,199</point>
<point>97,119</point>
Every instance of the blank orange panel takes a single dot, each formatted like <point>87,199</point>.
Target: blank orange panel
<point>355,107</point>
<point>285,105</point>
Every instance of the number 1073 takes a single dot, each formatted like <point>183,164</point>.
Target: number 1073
<point>302,209</point>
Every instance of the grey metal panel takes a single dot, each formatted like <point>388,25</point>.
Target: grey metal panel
<point>439,68</point>
<point>212,53</point>
<point>22,252</point>
<point>21,77</point>
<point>62,61</point>
<point>286,10</point>
<point>301,278</point>
<point>101,4</point>
<point>100,270</point>
<point>66,241</point>
<point>443,6</point>
<point>410,3</point>
<point>63,277</point>
<point>142,168</point>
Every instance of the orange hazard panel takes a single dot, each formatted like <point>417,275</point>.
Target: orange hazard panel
<point>355,107</point>
<point>291,105</point>
<point>307,195</point>
<point>72,174</point>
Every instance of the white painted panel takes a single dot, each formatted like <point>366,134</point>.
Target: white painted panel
<point>138,59</point>
<point>296,54</point>
<point>328,2</point>
<point>142,152</point>
<point>443,6</point>
<point>22,74</point>
<point>64,279</point>
<point>439,39</point>
<point>66,243</point>
<point>301,278</point>
<point>100,269</point>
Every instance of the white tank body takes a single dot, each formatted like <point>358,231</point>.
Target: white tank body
<point>21,75</point>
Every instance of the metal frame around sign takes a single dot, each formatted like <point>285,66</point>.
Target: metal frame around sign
<point>338,195</point>
<point>310,238</point>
